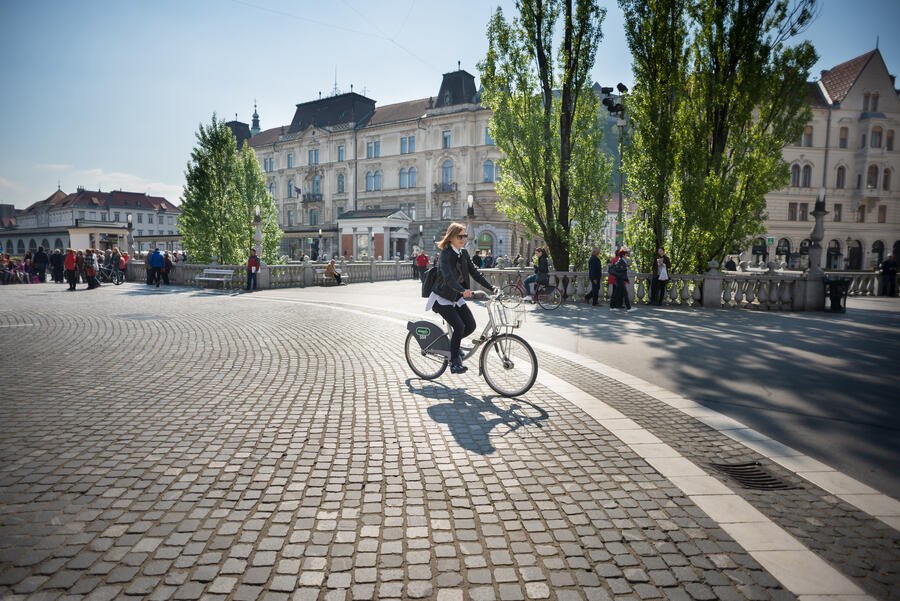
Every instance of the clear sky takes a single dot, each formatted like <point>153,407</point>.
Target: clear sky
<point>109,93</point>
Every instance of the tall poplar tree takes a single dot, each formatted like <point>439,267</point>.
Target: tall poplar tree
<point>545,119</point>
<point>222,189</point>
<point>742,99</point>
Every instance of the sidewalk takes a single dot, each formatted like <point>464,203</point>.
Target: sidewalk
<point>274,446</point>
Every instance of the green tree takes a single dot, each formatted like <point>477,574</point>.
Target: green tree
<point>545,120</point>
<point>222,189</point>
<point>743,100</point>
<point>656,31</point>
<point>251,190</point>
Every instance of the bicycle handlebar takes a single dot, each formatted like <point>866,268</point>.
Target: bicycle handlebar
<point>481,294</point>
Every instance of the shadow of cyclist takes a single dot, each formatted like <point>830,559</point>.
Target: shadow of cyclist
<point>471,419</point>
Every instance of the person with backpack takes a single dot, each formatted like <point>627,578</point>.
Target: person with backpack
<point>422,264</point>
<point>541,273</point>
<point>448,285</point>
<point>662,267</point>
<point>619,270</point>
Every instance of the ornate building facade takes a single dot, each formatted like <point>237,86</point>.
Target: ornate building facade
<point>848,152</point>
<point>346,171</point>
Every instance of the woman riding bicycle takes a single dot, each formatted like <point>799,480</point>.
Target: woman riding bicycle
<point>541,272</point>
<point>451,288</point>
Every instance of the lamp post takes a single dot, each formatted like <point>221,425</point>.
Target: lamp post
<point>320,244</point>
<point>421,239</point>
<point>849,241</point>
<point>470,213</point>
<point>618,109</point>
<point>257,220</point>
<point>130,234</point>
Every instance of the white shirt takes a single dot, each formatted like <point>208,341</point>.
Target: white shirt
<point>434,298</point>
<point>663,272</point>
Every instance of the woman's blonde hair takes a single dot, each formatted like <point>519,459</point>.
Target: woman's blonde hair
<point>453,230</point>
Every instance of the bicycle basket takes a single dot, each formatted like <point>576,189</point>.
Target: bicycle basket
<point>505,316</point>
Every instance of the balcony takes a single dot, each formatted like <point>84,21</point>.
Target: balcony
<point>312,198</point>
<point>445,187</point>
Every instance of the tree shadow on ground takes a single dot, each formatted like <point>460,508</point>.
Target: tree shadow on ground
<point>824,383</point>
<point>471,420</point>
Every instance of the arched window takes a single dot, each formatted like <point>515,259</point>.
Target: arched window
<point>489,172</point>
<point>404,178</point>
<point>833,254</point>
<point>378,180</point>
<point>340,183</point>
<point>854,255</point>
<point>9,247</point>
<point>46,244</point>
<point>290,190</point>
<point>842,140</point>
<point>886,180</point>
<point>889,140</point>
<point>878,251</point>
<point>872,177</point>
<point>784,247</point>
<point>874,103</point>
<point>445,210</point>
<point>57,244</point>
<point>866,101</point>
<point>20,248</point>
<point>876,137</point>
<point>317,184</point>
<point>32,245</point>
<point>314,216</point>
<point>840,179</point>
<point>412,177</point>
<point>446,174</point>
<point>806,176</point>
<point>370,181</point>
<point>795,176</point>
<point>271,188</point>
<point>807,135</point>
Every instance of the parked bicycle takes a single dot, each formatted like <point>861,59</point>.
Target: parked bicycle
<point>110,274</point>
<point>545,295</point>
<point>507,362</point>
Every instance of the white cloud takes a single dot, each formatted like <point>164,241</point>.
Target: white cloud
<point>10,185</point>
<point>53,166</point>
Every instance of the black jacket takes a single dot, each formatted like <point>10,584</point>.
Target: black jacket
<point>40,259</point>
<point>595,268</point>
<point>453,274</point>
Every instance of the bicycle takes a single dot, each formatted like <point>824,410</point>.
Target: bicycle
<point>109,274</point>
<point>507,362</point>
<point>545,295</point>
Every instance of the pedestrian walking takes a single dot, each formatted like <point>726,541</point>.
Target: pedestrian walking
<point>252,269</point>
<point>422,264</point>
<point>662,267</point>
<point>167,268</point>
<point>619,270</point>
<point>595,274</point>
<point>730,264</point>
<point>90,271</point>
<point>488,260</point>
<point>889,276</point>
<point>40,262</point>
<point>155,261</point>
<point>70,268</point>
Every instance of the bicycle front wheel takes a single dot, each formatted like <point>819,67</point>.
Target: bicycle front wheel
<point>509,365</point>
<point>425,365</point>
<point>549,298</point>
<point>511,297</point>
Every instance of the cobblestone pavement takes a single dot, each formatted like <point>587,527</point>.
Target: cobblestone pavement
<point>183,445</point>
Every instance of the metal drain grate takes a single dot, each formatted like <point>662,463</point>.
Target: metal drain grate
<point>752,475</point>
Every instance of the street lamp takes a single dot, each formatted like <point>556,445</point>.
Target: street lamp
<point>470,213</point>
<point>130,235</point>
<point>257,220</point>
<point>421,239</point>
<point>320,243</point>
<point>847,259</point>
<point>618,109</point>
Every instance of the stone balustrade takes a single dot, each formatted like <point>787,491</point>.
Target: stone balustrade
<point>767,290</point>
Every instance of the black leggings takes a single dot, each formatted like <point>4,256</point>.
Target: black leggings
<point>461,320</point>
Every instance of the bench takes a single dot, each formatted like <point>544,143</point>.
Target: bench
<point>326,280</point>
<point>216,275</point>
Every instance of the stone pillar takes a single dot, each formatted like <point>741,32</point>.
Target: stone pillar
<point>264,277</point>
<point>429,177</point>
<point>387,244</point>
<point>355,252</point>
<point>712,287</point>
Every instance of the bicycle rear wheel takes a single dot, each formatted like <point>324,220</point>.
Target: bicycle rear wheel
<point>549,298</point>
<point>425,365</point>
<point>509,365</point>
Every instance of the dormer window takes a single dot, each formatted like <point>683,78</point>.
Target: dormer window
<point>874,102</point>
<point>447,98</point>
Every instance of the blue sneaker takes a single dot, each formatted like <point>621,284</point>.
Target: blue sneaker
<point>458,368</point>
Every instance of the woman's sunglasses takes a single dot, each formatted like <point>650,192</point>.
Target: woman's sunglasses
<point>462,236</point>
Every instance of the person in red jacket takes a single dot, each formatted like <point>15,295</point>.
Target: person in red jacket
<point>422,264</point>
<point>69,266</point>
<point>252,268</point>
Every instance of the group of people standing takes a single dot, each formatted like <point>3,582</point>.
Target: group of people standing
<point>159,266</point>
<point>86,265</point>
